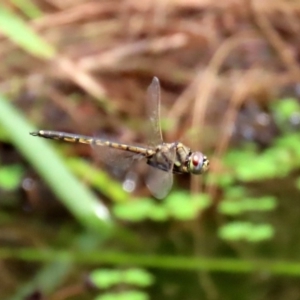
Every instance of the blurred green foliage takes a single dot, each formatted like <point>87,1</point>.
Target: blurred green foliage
<point>241,166</point>
<point>237,200</point>
<point>107,278</point>
<point>125,295</point>
<point>28,7</point>
<point>246,231</point>
<point>17,30</point>
<point>178,205</point>
<point>11,176</point>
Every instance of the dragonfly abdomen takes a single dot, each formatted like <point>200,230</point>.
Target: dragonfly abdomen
<point>82,139</point>
<point>125,147</point>
<point>63,136</point>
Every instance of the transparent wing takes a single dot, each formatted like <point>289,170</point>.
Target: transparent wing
<point>153,113</point>
<point>159,182</point>
<point>160,176</point>
<point>130,181</point>
<point>118,161</point>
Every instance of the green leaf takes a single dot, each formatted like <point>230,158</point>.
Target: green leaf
<point>234,231</point>
<point>265,203</point>
<point>242,205</point>
<point>246,231</point>
<point>183,206</point>
<point>18,31</point>
<point>237,156</point>
<point>235,192</point>
<point>28,8</point>
<point>159,213</point>
<point>106,278</point>
<point>284,110</point>
<point>138,277</point>
<point>11,177</point>
<point>222,180</point>
<point>230,208</point>
<point>260,233</point>
<point>290,142</point>
<point>201,201</point>
<point>134,211</point>
<point>263,167</point>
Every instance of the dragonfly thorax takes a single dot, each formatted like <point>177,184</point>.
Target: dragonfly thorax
<point>161,157</point>
<point>178,159</point>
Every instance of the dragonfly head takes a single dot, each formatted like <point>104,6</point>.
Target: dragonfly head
<point>197,163</point>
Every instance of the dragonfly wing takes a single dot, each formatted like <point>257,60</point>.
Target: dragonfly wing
<point>130,181</point>
<point>153,113</point>
<point>118,161</point>
<point>160,176</point>
<point>159,182</point>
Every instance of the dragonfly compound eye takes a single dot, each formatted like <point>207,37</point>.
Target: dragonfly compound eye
<point>198,163</point>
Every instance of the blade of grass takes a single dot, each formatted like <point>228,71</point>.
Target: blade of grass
<point>20,33</point>
<point>52,273</point>
<point>76,197</point>
<point>48,279</point>
<point>28,8</point>
<point>98,179</point>
<point>162,262</point>
<point>17,30</point>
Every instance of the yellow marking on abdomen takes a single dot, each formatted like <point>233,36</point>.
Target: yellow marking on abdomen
<point>124,147</point>
<point>67,139</point>
<point>86,140</point>
<point>73,138</point>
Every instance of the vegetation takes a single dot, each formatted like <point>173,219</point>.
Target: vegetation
<point>229,79</point>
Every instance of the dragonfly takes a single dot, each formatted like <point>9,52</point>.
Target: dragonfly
<point>164,159</point>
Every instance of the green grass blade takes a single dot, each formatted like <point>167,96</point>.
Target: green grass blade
<point>161,262</point>
<point>98,179</point>
<point>28,8</point>
<point>18,31</point>
<point>76,197</point>
<point>48,279</point>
